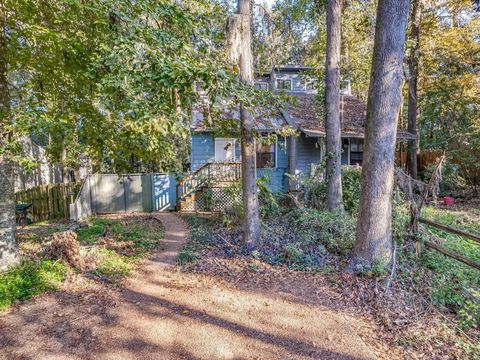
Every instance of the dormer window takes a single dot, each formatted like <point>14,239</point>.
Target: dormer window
<point>261,85</point>
<point>284,84</point>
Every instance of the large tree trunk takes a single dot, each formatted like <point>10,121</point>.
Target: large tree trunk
<point>413,60</point>
<point>240,46</point>
<point>332,106</point>
<point>374,228</point>
<point>8,246</point>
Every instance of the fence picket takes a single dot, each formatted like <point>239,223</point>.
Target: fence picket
<point>49,201</point>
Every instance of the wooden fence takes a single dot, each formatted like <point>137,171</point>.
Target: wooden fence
<point>49,201</point>
<point>446,251</point>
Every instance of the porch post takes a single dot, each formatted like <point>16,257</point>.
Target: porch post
<point>292,161</point>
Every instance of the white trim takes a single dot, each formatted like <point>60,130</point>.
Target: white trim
<point>233,140</point>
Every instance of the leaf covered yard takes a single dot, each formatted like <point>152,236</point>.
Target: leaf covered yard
<point>210,179</point>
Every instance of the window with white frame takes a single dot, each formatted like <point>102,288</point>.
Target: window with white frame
<point>224,149</point>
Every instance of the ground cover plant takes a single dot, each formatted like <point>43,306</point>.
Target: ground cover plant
<point>454,284</point>
<point>110,248</point>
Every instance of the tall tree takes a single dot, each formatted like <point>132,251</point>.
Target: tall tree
<point>251,231</point>
<point>240,51</point>
<point>413,60</point>
<point>374,227</point>
<point>332,106</point>
<point>8,246</point>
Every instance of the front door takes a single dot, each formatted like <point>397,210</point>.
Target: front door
<point>224,150</point>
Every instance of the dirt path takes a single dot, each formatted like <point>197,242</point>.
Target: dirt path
<point>163,313</point>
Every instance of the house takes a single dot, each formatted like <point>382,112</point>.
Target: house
<point>276,159</point>
<point>294,154</point>
<point>43,171</point>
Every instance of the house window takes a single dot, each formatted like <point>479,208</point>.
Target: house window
<point>266,155</point>
<point>284,84</point>
<point>224,149</point>
<point>261,85</point>
<point>356,152</point>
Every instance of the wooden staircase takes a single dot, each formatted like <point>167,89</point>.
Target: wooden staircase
<point>193,187</point>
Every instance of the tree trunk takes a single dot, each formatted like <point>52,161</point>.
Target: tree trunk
<point>332,106</point>
<point>8,245</point>
<point>413,60</point>
<point>374,227</point>
<point>240,46</point>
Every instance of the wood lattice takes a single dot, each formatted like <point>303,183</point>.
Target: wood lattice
<point>213,199</point>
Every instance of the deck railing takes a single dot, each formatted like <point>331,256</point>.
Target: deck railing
<point>216,172</point>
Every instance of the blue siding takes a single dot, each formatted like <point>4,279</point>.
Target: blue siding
<point>307,153</point>
<point>202,150</point>
<point>276,176</point>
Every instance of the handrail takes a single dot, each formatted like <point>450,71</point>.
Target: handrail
<point>214,171</point>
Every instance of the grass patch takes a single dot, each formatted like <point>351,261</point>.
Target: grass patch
<point>29,279</point>
<point>112,264</point>
<point>141,235</point>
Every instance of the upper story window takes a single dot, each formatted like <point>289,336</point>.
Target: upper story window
<point>261,85</point>
<point>283,84</point>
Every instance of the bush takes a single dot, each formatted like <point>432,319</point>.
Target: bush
<point>29,279</point>
<point>351,176</point>
<point>451,182</point>
<point>315,188</point>
<point>336,231</point>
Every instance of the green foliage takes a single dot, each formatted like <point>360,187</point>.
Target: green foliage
<point>144,238</point>
<point>455,284</point>
<point>351,176</point>
<point>267,199</point>
<point>29,279</point>
<point>315,187</point>
<point>449,93</point>
<point>112,264</point>
<point>336,231</point>
<point>451,182</point>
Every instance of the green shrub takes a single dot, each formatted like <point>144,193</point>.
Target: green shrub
<point>29,279</point>
<point>267,199</point>
<point>334,230</point>
<point>315,188</point>
<point>351,176</point>
<point>451,182</point>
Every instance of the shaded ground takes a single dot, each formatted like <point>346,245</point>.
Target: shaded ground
<point>162,313</point>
